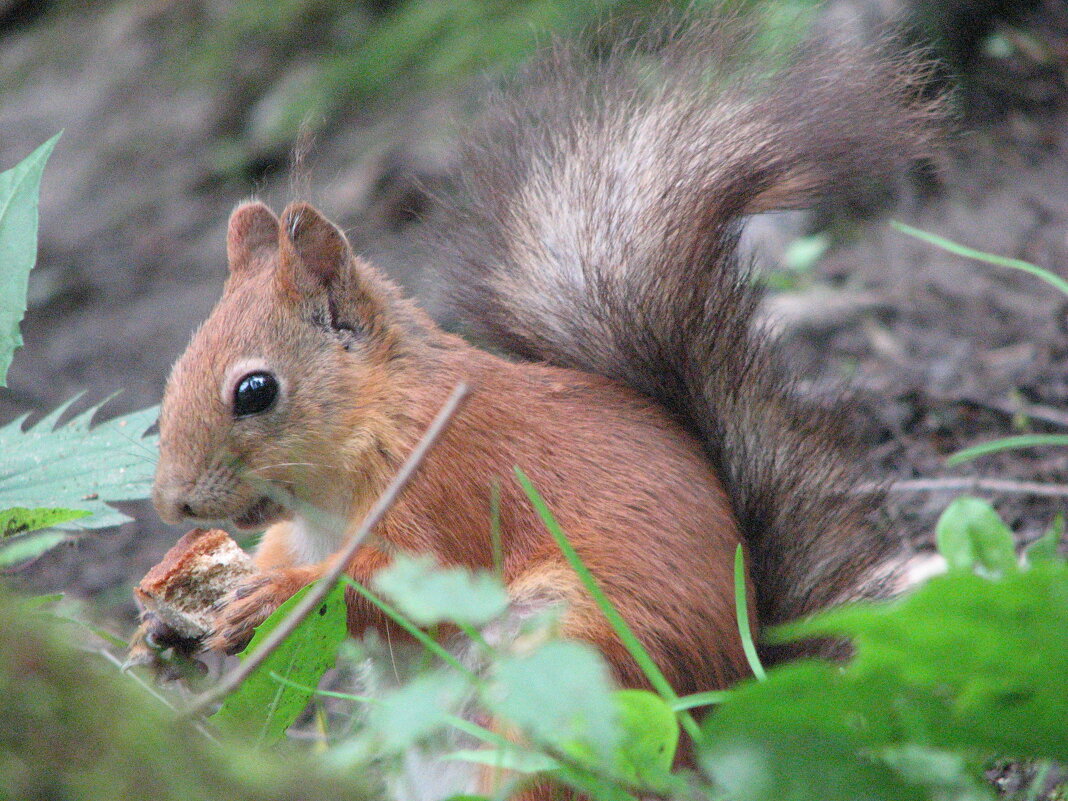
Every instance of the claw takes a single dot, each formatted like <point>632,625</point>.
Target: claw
<point>246,589</point>
<point>252,602</point>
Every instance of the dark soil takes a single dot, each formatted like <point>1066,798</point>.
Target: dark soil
<point>943,353</point>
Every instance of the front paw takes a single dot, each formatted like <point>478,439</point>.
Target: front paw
<point>165,654</point>
<point>253,601</point>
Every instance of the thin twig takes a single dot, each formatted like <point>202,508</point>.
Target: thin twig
<point>104,652</point>
<point>152,690</point>
<point>1046,414</point>
<point>955,484</point>
<point>234,678</point>
<point>1011,407</point>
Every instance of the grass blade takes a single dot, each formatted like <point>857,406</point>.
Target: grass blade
<point>979,255</point>
<point>424,639</point>
<point>619,625</point>
<point>1004,444</point>
<point>742,608</point>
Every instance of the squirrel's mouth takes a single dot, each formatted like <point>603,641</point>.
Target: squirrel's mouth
<point>260,514</point>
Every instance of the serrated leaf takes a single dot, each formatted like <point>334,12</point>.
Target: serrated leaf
<point>16,550</point>
<point>964,663</point>
<point>764,767</point>
<point>19,190</point>
<point>427,593</point>
<point>77,467</point>
<point>970,534</point>
<point>560,695</point>
<point>266,706</point>
<point>19,520</point>
<point>417,710</point>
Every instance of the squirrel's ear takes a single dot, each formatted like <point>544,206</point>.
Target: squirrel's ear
<point>253,233</point>
<point>311,246</point>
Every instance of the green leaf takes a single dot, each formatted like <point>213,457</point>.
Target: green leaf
<point>19,520</point>
<point>99,631</point>
<point>19,190</point>
<point>650,736</point>
<point>767,767</point>
<point>970,534</point>
<point>16,550</point>
<point>77,467</point>
<point>1044,549</point>
<point>38,601</point>
<point>965,667</point>
<point>427,593</point>
<point>422,707</point>
<point>964,663</point>
<point>560,695</point>
<point>266,706</point>
<point>804,253</point>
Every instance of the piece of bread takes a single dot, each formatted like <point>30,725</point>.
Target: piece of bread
<point>202,567</point>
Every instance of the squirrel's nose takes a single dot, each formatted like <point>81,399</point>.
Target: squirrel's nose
<point>172,504</point>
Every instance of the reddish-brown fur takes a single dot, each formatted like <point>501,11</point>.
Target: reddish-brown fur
<point>628,486</point>
<point>631,487</point>
<point>599,235</point>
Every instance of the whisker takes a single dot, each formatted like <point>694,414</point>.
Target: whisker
<point>392,655</point>
<point>281,464</point>
<point>149,453</point>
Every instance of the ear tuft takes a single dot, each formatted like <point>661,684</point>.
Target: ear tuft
<point>252,234</point>
<point>316,245</point>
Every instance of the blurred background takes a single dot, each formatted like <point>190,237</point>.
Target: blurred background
<point>173,111</point>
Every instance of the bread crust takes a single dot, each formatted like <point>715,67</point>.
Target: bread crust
<point>202,568</point>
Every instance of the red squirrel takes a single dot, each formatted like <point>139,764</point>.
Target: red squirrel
<point>594,240</point>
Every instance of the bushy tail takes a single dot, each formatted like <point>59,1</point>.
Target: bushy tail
<point>598,229</point>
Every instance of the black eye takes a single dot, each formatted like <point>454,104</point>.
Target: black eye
<point>255,393</point>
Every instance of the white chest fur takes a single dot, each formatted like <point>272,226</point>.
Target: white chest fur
<point>314,541</point>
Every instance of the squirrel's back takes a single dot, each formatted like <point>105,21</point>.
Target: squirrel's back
<point>597,228</point>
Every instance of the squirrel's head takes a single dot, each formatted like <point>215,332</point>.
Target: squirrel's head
<point>279,395</point>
